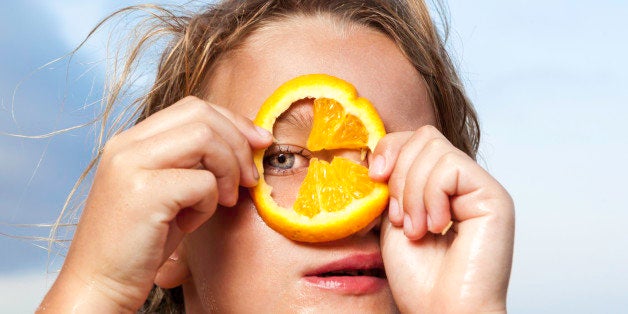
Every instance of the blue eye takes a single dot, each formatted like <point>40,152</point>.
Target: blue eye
<point>285,159</point>
<point>281,160</point>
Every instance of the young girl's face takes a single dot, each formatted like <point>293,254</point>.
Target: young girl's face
<point>237,263</point>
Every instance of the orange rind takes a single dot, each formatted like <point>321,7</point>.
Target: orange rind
<point>337,198</point>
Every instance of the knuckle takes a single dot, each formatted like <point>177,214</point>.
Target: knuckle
<point>426,130</point>
<point>386,143</point>
<point>114,151</point>
<point>450,158</point>
<point>409,145</point>
<point>201,132</point>
<point>197,106</point>
<point>190,99</point>
<point>112,145</point>
<point>139,184</point>
<point>118,159</point>
<point>436,143</point>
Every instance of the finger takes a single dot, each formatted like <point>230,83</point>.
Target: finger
<point>190,145</point>
<point>404,161</point>
<point>383,159</point>
<point>258,137</point>
<point>190,196</point>
<point>440,186</point>
<point>457,182</point>
<point>381,165</point>
<point>485,215</point>
<point>242,135</point>
<point>191,109</point>
<point>422,218</point>
<point>238,131</point>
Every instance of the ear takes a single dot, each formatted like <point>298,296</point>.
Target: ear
<point>174,271</point>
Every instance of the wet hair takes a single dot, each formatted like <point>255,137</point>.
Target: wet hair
<point>197,41</point>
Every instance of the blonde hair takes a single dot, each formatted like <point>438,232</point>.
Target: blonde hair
<point>199,40</point>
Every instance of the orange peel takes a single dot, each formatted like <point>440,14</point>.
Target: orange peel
<point>336,199</point>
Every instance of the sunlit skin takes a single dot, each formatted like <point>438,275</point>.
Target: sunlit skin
<point>158,184</point>
<point>264,259</point>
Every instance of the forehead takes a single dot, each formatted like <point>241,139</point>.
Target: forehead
<point>320,44</point>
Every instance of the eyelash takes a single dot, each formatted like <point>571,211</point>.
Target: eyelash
<point>277,149</point>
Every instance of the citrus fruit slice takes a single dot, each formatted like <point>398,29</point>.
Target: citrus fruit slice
<point>337,198</point>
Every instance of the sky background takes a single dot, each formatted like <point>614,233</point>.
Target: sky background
<point>549,80</point>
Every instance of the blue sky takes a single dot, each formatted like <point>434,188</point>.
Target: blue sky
<point>549,80</point>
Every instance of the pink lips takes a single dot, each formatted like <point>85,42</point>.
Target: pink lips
<point>356,274</point>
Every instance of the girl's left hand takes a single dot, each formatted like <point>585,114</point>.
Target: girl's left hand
<point>431,183</point>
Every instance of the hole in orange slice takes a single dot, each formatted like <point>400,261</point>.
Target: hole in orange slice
<point>337,198</point>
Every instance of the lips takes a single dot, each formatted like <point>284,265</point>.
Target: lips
<point>355,275</point>
<point>355,272</point>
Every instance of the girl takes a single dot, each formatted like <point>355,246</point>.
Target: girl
<point>169,226</point>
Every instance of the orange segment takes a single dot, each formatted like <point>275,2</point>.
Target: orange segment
<point>334,128</point>
<point>332,186</point>
<point>335,199</point>
<point>322,86</point>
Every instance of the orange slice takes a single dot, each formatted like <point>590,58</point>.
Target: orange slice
<point>337,198</point>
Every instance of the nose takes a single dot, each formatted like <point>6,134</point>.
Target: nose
<point>373,226</point>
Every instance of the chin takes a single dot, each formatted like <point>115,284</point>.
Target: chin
<point>305,299</point>
<point>350,296</point>
<point>352,304</point>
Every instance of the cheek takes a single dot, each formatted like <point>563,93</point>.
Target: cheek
<point>285,188</point>
<point>218,245</point>
<point>227,253</point>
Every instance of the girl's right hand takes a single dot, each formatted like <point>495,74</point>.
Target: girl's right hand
<point>155,182</point>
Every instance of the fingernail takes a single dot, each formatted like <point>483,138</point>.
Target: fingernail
<point>451,222</point>
<point>264,134</point>
<point>393,208</point>
<point>378,165</point>
<point>407,224</point>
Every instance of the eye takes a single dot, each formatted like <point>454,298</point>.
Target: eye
<point>285,159</point>
<point>281,160</point>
